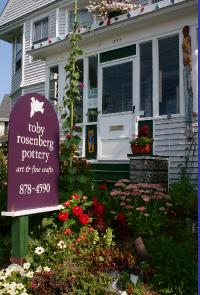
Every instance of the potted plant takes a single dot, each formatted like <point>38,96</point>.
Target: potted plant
<point>107,9</point>
<point>142,144</point>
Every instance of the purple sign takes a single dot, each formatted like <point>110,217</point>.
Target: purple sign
<point>33,154</point>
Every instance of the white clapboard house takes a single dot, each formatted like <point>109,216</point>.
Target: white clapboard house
<point>132,70</point>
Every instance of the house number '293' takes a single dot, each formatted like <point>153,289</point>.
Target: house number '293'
<point>27,189</point>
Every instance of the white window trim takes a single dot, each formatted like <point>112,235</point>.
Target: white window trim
<point>156,81</point>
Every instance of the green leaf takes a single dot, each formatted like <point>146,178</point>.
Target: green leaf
<point>72,170</point>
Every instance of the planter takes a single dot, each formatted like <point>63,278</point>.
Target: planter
<point>141,150</point>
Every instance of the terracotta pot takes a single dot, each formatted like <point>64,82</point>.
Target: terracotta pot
<point>138,150</point>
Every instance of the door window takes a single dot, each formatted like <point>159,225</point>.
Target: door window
<point>117,88</point>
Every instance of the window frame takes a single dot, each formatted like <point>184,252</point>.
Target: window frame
<point>41,20</point>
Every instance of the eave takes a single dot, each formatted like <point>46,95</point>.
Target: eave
<point>123,26</point>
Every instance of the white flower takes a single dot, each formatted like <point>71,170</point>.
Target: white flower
<point>20,286</point>
<point>24,293</point>
<point>61,245</point>
<point>8,273</point>
<point>26,265</point>
<point>46,269</point>
<point>29,274</point>
<point>38,269</point>
<point>39,250</point>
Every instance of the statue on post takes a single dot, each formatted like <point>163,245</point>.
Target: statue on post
<point>187,79</point>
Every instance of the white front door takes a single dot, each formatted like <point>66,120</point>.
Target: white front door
<point>116,109</point>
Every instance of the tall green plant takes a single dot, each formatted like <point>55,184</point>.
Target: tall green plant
<point>74,170</point>
<point>72,92</point>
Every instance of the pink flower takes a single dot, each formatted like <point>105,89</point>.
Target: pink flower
<point>122,198</point>
<point>119,184</point>
<point>135,193</point>
<point>141,209</point>
<point>146,198</point>
<point>125,180</point>
<point>115,193</point>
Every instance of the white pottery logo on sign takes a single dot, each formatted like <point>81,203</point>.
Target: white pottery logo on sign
<point>36,106</point>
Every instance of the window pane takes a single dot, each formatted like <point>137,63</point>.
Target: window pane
<point>18,53</point>
<point>18,44</point>
<point>169,75</point>
<point>92,88</point>
<point>117,88</point>
<point>37,31</point>
<point>53,84</point>
<point>84,19</point>
<point>146,79</point>
<point>45,28</point>
<point>78,105</point>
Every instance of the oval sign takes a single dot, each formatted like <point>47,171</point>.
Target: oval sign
<point>33,154</point>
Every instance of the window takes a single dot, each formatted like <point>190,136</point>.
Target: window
<point>78,105</point>
<point>84,18</point>
<point>53,85</point>
<point>18,53</point>
<point>117,88</point>
<point>169,75</point>
<point>146,79</point>
<point>92,88</point>
<point>40,30</point>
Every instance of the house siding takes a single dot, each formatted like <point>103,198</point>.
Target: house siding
<point>19,8</point>
<point>171,141</point>
<point>38,88</point>
<point>15,96</point>
<point>142,2</point>
<point>34,72</point>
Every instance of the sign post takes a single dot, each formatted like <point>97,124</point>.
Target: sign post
<point>33,166</point>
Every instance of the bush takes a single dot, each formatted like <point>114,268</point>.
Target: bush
<point>175,265</point>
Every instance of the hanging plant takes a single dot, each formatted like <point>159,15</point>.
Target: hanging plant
<point>106,9</point>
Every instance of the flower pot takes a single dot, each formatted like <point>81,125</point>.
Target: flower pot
<point>141,150</point>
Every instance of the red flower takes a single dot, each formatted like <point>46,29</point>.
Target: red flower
<point>67,231</point>
<point>68,136</point>
<point>77,210</point>
<point>99,209</point>
<point>67,204</point>
<point>84,219</point>
<point>103,187</point>
<point>75,196</point>
<point>120,217</point>
<point>63,216</point>
<point>94,201</point>
<point>144,131</point>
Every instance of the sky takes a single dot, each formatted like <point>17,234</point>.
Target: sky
<point>5,62</point>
